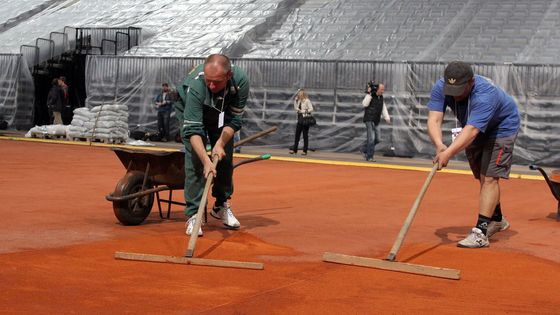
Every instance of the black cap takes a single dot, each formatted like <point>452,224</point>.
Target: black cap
<point>456,76</point>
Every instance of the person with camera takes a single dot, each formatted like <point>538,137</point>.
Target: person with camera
<point>374,107</point>
<point>304,108</point>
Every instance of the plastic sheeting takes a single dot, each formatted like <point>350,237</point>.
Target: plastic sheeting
<point>133,81</point>
<point>14,11</point>
<point>422,30</point>
<point>477,30</point>
<point>336,91</point>
<point>16,91</point>
<point>172,28</point>
<point>8,77</point>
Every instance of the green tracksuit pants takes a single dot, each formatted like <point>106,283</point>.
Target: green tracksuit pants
<point>194,175</point>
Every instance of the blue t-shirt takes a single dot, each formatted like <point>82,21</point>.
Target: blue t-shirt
<point>488,108</point>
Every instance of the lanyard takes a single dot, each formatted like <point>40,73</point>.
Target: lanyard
<point>457,112</point>
<point>221,110</point>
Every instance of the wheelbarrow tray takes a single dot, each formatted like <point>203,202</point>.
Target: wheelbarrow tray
<point>163,167</point>
<point>553,183</point>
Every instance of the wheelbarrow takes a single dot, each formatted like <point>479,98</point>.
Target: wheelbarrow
<point>554,184</point>
<point>150,172</point>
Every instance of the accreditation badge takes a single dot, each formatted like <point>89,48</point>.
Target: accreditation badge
<point>455,133</point>
<point>221,120</point>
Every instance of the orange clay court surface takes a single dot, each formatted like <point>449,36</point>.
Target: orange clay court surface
<point>59,235</point>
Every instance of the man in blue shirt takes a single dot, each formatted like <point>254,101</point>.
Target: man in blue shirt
<point>489,122</point>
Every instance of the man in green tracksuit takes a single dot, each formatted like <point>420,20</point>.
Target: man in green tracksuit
<point>211,103</point>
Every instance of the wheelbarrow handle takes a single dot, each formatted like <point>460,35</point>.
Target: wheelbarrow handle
<point>111,197</point>
<point>251,160</point>
<point>554,187</point>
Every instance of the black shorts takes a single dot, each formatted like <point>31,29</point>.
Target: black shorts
<point>491,156</point>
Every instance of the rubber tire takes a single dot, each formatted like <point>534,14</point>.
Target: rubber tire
<point>133,211</point>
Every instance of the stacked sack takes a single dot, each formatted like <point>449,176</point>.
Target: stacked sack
<point>47,131</point>
<point>104,122</point>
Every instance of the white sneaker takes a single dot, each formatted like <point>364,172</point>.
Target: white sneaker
<point>495,227</point>
<point>225,214</point>
<point>189,225</point>
<point>476,239</point>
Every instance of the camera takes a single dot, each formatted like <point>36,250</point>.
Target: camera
<point>371,85</point>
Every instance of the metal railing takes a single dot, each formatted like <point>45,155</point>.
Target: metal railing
<point>412,78</point>
<point>90,39</point>
<point>30,54</point>
<point>46,48</point>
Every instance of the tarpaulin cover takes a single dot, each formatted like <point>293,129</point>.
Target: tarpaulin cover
<point>336,91</point>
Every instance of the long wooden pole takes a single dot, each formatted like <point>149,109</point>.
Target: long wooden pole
<point>398,242</point>
<point>201,210</point>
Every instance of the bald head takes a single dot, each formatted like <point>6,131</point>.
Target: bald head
<point>217,71</point>
<point>217,63</point>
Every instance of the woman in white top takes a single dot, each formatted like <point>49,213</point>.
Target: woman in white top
<point>303,107</point>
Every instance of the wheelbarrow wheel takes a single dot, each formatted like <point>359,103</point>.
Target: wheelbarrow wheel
<point>133,211</point>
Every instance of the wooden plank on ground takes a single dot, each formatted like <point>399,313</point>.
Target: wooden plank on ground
<point>393,266</point>
<point>189,261</point>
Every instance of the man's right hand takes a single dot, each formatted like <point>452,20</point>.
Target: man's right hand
<point>440,157</point>
<point>440,148</point>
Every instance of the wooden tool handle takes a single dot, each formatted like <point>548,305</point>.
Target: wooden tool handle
<point>201,209</point>
<point>398,242</point>
<point>255,136</point>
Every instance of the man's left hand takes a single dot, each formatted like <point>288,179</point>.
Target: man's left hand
<point>219,151</point>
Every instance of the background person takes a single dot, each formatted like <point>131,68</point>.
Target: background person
<point>163,102</point>
<point>66,111</point>
<point>374,107</point>
<point>54,102</point>
<point>236,138</point>
<point>303,107</point>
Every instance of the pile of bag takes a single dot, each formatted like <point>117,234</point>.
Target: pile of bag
<point>101,122</point>
<point>47,131</point>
